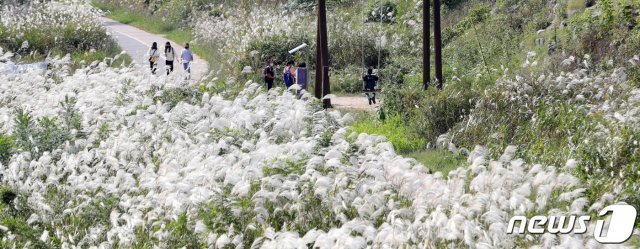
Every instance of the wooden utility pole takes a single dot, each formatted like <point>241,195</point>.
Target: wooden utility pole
<point>426,44</point>
<point>322,68</point>
<point>438,42</point>
<point>318,84</point>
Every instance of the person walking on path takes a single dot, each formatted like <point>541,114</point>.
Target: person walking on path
<point>289,75</point>
<point>269,74</point>
<point>153,55</point>
<point>301,78</point>
<point>169,55</point>
<point>370,82</point>
<point>187,58</point>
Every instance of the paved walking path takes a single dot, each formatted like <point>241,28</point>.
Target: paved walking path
<point>136,43</point>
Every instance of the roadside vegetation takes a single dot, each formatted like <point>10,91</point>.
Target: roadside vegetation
<point>36,31</point>
<point>538,116</point>
<point>172,19</point>
<point>487,44</point>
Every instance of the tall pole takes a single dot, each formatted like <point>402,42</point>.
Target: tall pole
<point>426,44</point>
<point>318,84</point>
<point>324,51</point>
<point>438,42</point>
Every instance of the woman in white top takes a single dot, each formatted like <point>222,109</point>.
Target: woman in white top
<point>169,56</point>
<point>153,55</point>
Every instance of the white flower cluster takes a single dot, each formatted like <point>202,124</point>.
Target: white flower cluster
<point>286,172</point>
<point>599,112</point>
<point>234,31</point>
<point>49,15</point>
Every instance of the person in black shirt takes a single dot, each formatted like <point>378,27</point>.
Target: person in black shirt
<point>370,82</point>
<point>269,74</point>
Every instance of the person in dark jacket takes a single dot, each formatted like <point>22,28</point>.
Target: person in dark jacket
<point>269,74</point>
<point>370,82</point>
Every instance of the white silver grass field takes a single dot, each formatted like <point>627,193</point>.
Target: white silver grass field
<point>151,162</point>
<point>288,173</point>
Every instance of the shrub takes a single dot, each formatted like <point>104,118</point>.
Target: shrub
<point>452,3</point>
<point>347,49</point>
<point>24,128</point>
<point>48,136</point>
<point>6,148</point>
<point>552,125</point>
<point>382,12</point>
<point>397,131</point>
<point>576,5</point>
<point>45,27</point>
<point>275,47</point>
<point>440,111</point>
<point>476,16</point>
<point>309,4</point>
<point>103,134</point>
<point>439,160</point>
<point>47,133</point>
<point>348,80</point>
<point>174,96</point>
<point>72,120</point>
<point>396,71</point>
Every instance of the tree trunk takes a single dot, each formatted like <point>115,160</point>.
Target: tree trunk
<point>426,44</point>
<point>318,83</point>
<point>438,42</point>
<point>324,51</point>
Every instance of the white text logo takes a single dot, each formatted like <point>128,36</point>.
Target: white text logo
<point>618,229</point>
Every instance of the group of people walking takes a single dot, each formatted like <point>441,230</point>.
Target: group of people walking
<point>186,57</point>
<point>292,75</point>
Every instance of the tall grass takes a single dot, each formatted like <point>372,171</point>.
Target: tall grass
<point>37,30</point>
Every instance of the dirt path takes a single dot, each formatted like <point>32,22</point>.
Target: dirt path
<point>354,102</point>
<point>136,42</point>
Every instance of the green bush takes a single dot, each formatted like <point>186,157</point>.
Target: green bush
<point>309,4</point>
<point>430,112</point>
<point>275,47</point>
<point>72,36</point>
<point>452,3</point>
<point>381,11</point>
<point>550,128</point>
<point>398,132</point>
<point>346,49</point>
<point>348,80</point>
<point>39,135</point>
<point>475,16</point>
<point>14,213</point>
<point>440,112</point>
<point>439,160</point>
<point>174,96</point>
<point>6,148</point>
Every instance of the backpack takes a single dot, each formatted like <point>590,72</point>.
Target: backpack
<point>288,80</point>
